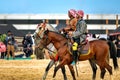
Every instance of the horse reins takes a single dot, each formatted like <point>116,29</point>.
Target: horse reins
<point>44,45</point>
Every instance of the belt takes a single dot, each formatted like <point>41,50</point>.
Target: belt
<point>10,44</point>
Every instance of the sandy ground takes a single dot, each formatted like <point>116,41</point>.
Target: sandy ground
<point>34,70</point>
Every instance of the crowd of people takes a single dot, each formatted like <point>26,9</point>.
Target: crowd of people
<point>8,42</point>
<point>9,45</point>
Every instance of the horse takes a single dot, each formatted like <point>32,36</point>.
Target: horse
<point>38,36</point>
<point>99,54</point>
<point>113,52</point>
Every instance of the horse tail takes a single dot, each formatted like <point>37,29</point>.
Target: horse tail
<point>113,54</point>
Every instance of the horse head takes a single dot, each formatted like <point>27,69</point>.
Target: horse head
<point>45,40</point>
<point>39,30</point>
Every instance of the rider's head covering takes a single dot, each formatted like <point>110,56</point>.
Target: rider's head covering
<point>80,13</point>
<point>72,12</point>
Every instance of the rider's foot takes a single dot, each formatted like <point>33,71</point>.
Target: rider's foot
<point>73,63</point>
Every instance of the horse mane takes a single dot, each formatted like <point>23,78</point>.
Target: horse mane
<point>46,32</point>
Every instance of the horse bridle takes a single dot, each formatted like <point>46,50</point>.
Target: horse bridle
<point>38,35</point>
<point>45,45</point>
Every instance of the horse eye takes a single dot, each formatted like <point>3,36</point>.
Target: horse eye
<point>40,27</point>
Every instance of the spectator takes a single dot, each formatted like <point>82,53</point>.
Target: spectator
<point>27,45</point>
<point>10,44</point>
<point>2,40</point>
<point>117,42</point>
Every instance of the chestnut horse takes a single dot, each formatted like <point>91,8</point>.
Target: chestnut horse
<point>99,53</point>
<point>39,35</point>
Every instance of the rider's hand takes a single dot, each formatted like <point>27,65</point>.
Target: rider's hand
<point>70,33</point>
<point>61,31</point>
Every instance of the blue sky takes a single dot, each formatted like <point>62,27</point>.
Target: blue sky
<point>59,6</point>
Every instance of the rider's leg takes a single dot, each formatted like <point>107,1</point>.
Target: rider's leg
<point>74,57</point>
<point>75,49</point>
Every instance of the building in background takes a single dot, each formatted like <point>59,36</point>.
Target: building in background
<point>97,23</point>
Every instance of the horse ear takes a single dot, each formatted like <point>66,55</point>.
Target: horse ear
<point>47,31</point>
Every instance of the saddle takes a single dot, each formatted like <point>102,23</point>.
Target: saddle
<point>84,48</point>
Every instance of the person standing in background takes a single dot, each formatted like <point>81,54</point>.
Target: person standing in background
<point>2,40</point>
<point>10,40</point>
<point>27,45</point>
<point>117,42</point>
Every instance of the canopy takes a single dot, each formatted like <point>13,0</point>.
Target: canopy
<point>115,32</point>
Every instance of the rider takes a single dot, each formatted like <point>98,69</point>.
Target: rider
<point>10,40</point>
<point>71,26</point>
<point>79,35</point>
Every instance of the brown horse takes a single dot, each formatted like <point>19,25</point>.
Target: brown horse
<point>38,35</point>
<point>99,52</point>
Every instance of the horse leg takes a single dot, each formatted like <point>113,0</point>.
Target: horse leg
<point>113,53</point>
<point>103,71</point>
<point>109,68</point>
<point>51,63</point>
<point>60,65</point>
<point>94,68</point>
<point>56,69</point>
<point>72,71</point>
<point>115,63</point>
<point>64,73</point>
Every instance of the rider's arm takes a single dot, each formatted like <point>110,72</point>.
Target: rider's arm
<point>73,24</point>
<point>81,28</point>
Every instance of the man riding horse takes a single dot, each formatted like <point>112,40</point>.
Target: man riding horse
<point>78,31</point>
<point>81,28</point>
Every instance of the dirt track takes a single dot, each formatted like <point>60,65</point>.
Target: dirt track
<point>34,70</point>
